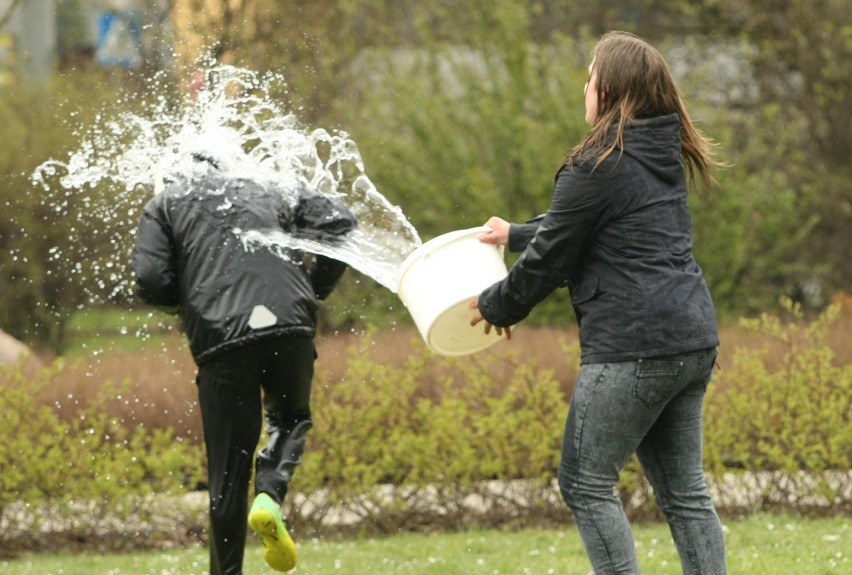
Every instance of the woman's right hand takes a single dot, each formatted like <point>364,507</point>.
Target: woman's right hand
<point>499,234</point>
<point>477,318</point>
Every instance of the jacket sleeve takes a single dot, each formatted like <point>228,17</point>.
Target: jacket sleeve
<point>520,235</point>
<point>328,220</point>
<point>322,218</point>
<point>554,255</point>
<point>325,272</point>
<point>154,258</point>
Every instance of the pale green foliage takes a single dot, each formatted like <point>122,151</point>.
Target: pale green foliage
<point>750,231</point>
<point>468,132</point>
<point>785,413</point>
<point>413,443</point>
<point>81,475</point>
<point>461,112</point>
<point>431,425</point>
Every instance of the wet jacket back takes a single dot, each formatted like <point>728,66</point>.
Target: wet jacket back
<point>190,257</point>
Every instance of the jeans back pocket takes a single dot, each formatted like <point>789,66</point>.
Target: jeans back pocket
<point>657,380</point>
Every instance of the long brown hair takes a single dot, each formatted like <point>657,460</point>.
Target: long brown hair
<point>634,82</point>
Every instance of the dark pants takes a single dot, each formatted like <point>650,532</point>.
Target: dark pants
<point>273,375</point>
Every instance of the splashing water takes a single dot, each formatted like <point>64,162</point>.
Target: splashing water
<point>233,117</point>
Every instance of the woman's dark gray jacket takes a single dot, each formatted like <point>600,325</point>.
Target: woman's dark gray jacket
<point>619,236</point>
<point>191,257</point>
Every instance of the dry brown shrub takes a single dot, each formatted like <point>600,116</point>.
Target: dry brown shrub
<point>547,347</point>
<point>840,336</point>
<point>161,380</point>
<point>160,386</point>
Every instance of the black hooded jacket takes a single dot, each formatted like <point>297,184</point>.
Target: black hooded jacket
<point>619,236</point>
<point>191,257</point>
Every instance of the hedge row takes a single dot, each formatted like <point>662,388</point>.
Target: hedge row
<point>434,444</point>
<point>91,480</point>
<point>393,449</point>
<point>778,425</point>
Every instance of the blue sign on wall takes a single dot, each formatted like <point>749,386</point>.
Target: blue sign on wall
<point>119,40</point>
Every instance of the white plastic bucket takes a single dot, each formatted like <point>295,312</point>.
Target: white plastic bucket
<point>437,282</point>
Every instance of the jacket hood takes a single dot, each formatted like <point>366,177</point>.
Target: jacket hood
<point>655,143</point>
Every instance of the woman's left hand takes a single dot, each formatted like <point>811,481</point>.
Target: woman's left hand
<point>477,317</point>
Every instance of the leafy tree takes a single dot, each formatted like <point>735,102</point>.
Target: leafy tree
<point>49,238</point>
<point>463,111</point>
<point>802,66</point>
<point>455,133</point>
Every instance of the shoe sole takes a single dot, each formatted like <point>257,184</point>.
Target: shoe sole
<point>279,551</point>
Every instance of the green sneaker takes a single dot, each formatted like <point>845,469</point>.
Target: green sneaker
<point>279,551</point>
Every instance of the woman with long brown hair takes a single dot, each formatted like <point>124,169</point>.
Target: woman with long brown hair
<point>618,234</point>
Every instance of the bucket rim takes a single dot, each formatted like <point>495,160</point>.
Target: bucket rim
<point>434,244</point>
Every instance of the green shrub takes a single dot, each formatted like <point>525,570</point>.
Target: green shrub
<point>433,443</point>
<point>79,479</point>
<point>778,428</point>
<point>401,446</point>
<point>30,432</point>
<point>397,447</point>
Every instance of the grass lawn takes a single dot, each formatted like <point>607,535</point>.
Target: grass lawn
<point>108,329</point>
<point>759,545</point>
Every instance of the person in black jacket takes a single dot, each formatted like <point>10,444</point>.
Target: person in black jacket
<point>250,315</point>
<point>618,234</point>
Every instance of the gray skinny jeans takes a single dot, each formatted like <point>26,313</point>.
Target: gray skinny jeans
<point>652,407</point>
